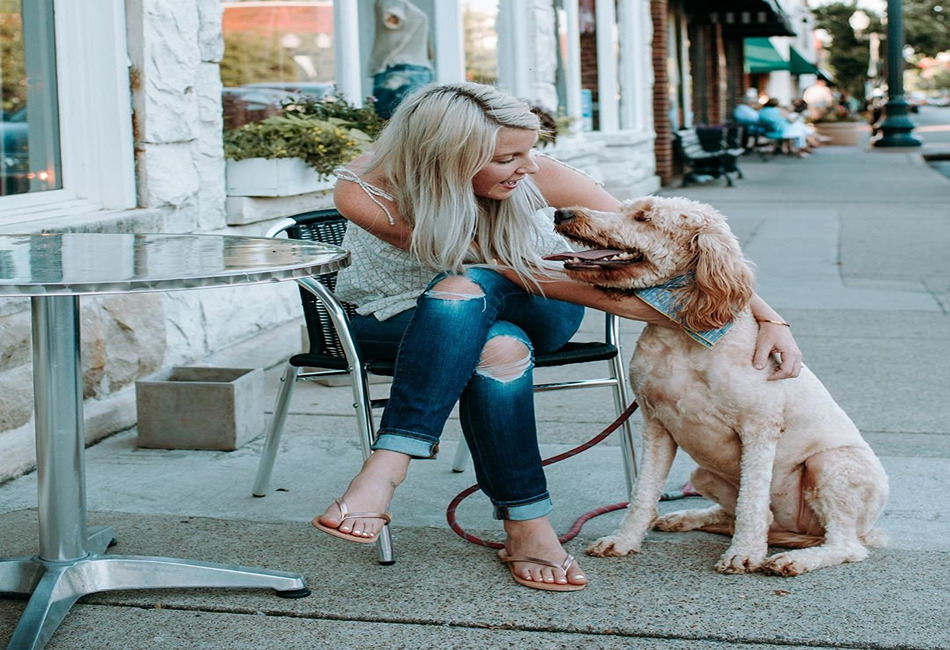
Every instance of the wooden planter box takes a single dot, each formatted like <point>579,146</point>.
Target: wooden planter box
<point>849,134</point>
<point>273,177</point>
<point>200,408</point>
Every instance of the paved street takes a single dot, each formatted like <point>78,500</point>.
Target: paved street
<point>851,248</point>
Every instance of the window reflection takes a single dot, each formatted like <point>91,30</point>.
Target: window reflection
<point>29,140</point>
<point>274,50</point>
<point>481,40</point>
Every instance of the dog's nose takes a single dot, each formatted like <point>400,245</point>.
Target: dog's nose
<point>561,215</point>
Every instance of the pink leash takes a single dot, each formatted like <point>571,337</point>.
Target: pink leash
<point>686,491</point>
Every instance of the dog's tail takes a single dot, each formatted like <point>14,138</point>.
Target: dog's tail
<point>782,538</point>
<point>874,538</point>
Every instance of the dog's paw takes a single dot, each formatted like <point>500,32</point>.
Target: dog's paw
<point>739,562</point>
<point>783,564</point>
<point>677,522</point>
<point>612,546</point>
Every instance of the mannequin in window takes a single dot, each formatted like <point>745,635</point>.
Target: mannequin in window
<point>400,60</point>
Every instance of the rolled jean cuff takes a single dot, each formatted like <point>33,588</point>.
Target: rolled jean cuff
<point>525,511</point>
<point>407,444</point>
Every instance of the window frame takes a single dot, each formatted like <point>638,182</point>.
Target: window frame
<point>95,117</point>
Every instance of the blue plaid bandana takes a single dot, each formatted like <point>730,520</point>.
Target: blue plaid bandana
<point>663,299</point>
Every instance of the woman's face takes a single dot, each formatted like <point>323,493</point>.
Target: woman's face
<point>512,160</point>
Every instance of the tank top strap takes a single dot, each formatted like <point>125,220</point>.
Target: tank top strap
<point>371,190</point>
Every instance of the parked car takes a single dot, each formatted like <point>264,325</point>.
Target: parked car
<point>14,153</point>
<point>243,104</point>
<point>312,89</point>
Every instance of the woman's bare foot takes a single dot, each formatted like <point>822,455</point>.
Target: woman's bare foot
<point>370,491</point>
<point>536,538</point>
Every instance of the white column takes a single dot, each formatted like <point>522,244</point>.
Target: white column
<point>630,56</point>
<point>516,62</point>
<point>572,63</point>
<point>346,49</point>
<point>449,41</point>
<point>606,18</point>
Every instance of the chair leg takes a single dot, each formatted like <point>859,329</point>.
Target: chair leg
<point>365,429</point>
<point>462,456</point>
<point>621,401</point>
<point>272,441</point>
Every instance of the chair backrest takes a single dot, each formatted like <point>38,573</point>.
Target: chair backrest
<point>328,227</point>
<point>711,137</point>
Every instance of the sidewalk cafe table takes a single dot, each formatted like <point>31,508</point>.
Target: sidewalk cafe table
<point>54,270</point>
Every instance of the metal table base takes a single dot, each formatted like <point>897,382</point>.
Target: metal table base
<point>71,562</point>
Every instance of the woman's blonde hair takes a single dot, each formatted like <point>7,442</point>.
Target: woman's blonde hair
<point>436,141</point>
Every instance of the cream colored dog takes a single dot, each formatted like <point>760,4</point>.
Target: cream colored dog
<point>781,460</point>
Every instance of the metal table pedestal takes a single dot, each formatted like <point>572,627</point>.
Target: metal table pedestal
<point>71,562</point>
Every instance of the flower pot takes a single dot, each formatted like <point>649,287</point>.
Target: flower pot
<point>273,177</point>
<point>200,408</point>
<point>848,134</point>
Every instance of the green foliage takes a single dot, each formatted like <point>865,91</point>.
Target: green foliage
<point>363,118</point>
<point>927,26</point>
<point>12,71</point>
<point>321,143</point>
<point>848,57</point>
<point>252,58</point>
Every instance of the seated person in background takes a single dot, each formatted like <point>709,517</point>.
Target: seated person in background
<point>778,126</point>
<point>800,114</point>
<point>746,114</point>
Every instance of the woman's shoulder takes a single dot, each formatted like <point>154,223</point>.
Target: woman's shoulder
<point>362,195</point>
<point>563,185</point>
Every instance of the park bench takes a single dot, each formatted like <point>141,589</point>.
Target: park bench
<point>709,152</point>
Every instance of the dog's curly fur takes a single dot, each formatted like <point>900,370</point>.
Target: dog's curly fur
<point>781,460</point>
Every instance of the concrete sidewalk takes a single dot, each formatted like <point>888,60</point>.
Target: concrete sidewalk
<point>851,248</point>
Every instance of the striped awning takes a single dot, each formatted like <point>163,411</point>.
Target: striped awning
<point>762,57</point>
<point>798,64</point>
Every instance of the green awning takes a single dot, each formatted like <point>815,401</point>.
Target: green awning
<point>762,57</point>
<point>797,64</point>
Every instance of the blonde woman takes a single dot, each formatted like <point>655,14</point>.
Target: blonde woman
<point>448,232</point>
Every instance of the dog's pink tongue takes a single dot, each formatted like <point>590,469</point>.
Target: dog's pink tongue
<point>590,255</point>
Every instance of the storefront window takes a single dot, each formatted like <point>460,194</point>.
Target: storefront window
<point>481,40</point>
<point>274,50</point>
<point>29,119</point>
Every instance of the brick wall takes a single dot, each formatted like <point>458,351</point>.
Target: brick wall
<point>663,146</point>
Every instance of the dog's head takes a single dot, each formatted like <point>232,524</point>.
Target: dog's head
<point>652,240</point>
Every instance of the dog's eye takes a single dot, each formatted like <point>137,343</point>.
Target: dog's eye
<point>642,216</point>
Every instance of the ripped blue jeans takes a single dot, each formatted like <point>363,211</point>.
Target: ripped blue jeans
<point>470,340</point>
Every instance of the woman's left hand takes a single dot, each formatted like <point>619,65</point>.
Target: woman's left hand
<point>777,339</point>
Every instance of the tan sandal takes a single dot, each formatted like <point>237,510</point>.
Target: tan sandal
<point>544,586</point>
<point>346,514</point>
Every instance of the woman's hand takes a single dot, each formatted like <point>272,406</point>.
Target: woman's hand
<point>777,339</point>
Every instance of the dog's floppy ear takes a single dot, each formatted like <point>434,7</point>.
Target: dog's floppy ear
<point>722,283</point>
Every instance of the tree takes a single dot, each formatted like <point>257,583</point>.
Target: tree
<point>847,56</point>
<point>926,29</point>
<point>927,26</point>
<point>250,58</point>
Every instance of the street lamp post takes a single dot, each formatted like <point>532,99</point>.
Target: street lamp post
<point>896,128</point>
<point>859,22</point>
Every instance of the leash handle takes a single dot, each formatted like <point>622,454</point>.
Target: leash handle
<point>579,523</point>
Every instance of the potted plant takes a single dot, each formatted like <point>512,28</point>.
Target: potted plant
<point>297,150</point>
<point>842,127</point>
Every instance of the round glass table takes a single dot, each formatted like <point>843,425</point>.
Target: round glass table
<point>54,270</point>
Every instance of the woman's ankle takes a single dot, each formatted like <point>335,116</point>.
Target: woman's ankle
<point>389,465</point>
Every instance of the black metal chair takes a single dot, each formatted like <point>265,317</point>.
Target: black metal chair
<point>333,352</point>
